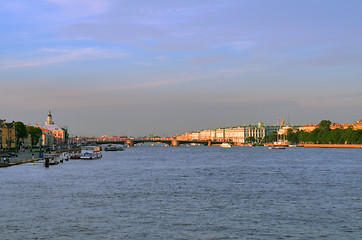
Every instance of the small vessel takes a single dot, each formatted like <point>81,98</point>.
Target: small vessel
<point>119,148</point>
<point>65,156</point>
<point>53,161</point>
<point>110,147</point>
<point>226,145</point>
<point>74,156</point>
<point>276,147</point>
<point>195,144</point>
<point>90,152</point>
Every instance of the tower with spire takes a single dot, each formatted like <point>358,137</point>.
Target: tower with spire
<point>49,119</point>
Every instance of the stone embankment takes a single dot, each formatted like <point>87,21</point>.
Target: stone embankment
<point>19,162</point>
<point>28,157</point>
<point>332,145</point>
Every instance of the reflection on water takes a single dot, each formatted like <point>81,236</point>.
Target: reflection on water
<point>187,193</point>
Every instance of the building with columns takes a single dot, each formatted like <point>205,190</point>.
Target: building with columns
<point>237,135</point>
<point>52,134</point>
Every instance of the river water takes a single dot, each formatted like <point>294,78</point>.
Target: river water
<point>187,193</point>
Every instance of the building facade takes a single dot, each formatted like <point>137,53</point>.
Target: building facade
<point>52,134</point>
<point>237,135</point>
<point>7,135</point>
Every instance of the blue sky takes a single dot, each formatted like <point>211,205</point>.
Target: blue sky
<point>165,67</point>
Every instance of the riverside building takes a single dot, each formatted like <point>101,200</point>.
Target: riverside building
<point>238,135</point>
<point>52,134</point>
<point>7,135</point>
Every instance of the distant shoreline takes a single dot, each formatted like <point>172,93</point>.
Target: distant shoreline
<point>332,145</point>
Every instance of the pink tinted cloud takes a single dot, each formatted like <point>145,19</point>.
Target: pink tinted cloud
<point>54,55</point>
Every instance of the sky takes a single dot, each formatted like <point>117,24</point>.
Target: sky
<point>162,67</point>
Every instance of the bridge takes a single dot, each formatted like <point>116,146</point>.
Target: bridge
<point>170,141</point>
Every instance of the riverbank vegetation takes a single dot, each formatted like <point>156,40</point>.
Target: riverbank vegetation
<point>325,135</point>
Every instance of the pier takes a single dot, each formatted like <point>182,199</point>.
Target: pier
<point>28,157</point>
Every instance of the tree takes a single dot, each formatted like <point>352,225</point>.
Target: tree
<point>66,135</point>
<point>313,135</point>
<point>20,129</point>
<point>20,132</point>
<point>273,137</point>
<point>250,139</point>
<point>303,136</point>
<point>325,125</point>
<point>348,135</point>
<point>336,136</point>
<point>35,134</point>
<point>292,136</point>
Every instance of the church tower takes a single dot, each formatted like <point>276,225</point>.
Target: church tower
<point>49,119</point>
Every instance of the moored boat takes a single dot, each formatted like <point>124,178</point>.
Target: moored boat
<point>119,148</point>
<point>110,148</point>
<point>276,147</point>
<point>65,156</point>
<point>90,152</point>
<point>74,156</point>
<point>226,145</point>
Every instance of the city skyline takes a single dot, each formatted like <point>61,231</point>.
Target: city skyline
<point>106,67</point>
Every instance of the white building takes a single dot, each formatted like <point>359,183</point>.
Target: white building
<point>52,133</point>
<point>238,135</point>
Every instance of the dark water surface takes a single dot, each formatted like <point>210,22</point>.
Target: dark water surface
<point>187,193</point>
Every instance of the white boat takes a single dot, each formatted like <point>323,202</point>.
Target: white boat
<point>195,144</point>
<point>226,145</point>
<point>65,156</point>
<point>90,152</point>
<point>276,147</point>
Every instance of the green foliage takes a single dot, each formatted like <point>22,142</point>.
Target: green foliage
<point>292,137</point>
<point>273,137</point>
<point>66,136</point>
<point>20,130</point>
<point>250,139</point>
<point>335,136</point>
<point>325,125</point>
<point>35,134</point>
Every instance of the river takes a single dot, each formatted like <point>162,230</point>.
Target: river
<point>187,193</point>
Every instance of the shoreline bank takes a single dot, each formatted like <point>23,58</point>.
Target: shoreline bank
<point>27,157</point>
<point>19,162</point>
<point>332,145</point>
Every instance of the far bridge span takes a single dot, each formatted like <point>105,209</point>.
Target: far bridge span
<point>169,141</point>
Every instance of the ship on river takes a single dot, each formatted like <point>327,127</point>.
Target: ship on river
<point>90,152</point>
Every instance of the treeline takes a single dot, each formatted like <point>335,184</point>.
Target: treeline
<point>324,135</point>
<point>23,131</point>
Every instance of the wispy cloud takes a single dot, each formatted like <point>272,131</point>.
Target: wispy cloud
<point>165,80</point>
<point>81,8</point>
<point>48,56</point>
<point>240,45</point>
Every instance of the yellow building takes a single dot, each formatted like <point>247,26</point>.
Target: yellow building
<point>357,125</point>
<point>7,135</point>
